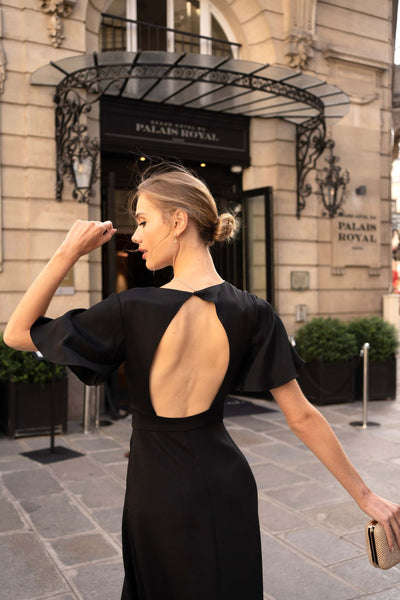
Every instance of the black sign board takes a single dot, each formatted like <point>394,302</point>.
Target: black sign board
<point>161,130</point>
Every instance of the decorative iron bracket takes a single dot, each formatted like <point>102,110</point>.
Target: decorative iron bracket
<point>310,144</point>
<point>72,142</point>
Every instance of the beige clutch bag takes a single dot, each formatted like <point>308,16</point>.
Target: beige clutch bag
<point>377,547</point>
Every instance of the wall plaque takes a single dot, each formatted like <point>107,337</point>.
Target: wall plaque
<point>356,238</point>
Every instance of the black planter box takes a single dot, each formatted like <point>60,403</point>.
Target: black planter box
<point>25,408</point>
<point>381,379</point>
<point>328,383</point>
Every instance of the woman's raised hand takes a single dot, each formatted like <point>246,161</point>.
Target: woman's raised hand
<point>85,236</point>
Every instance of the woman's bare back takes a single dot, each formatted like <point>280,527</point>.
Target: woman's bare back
<point>190,362</point>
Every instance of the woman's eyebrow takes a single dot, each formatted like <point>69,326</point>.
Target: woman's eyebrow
<point>137,215</point>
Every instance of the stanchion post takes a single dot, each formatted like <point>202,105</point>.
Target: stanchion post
<point>364,424</point>
<point>86,409</point>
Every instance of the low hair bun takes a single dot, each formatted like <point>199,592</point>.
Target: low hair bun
<point>225,227</point>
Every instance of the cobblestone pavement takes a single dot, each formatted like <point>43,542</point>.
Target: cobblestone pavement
<point>60,522</point>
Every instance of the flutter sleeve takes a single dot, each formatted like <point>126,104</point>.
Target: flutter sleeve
<point>90,341</point>
<point>272,361</point>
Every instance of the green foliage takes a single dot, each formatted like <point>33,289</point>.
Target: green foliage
<point>326,339</point>
<point>24,367</point>
<point>381,336</point>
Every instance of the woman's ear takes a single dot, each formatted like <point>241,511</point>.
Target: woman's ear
<point>180,221</point>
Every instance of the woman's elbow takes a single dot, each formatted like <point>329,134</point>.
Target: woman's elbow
<point>18,342</point>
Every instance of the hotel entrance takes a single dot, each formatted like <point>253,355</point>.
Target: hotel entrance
<point>136,135</point>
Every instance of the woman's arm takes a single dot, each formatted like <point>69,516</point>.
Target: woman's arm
<point>82,238</point>
<point>314,430</point>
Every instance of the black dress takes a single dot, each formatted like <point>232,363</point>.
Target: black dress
<point>190,519</point>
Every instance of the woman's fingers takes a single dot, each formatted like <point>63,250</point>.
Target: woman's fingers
<point>85,236</point>
<point>386,513</point>
<point>395,524</point>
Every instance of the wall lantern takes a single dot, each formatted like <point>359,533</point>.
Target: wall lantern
<point>83,171</point>
<point>332,183</point>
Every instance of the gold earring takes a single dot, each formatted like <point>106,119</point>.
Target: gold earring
<point>175,238</point>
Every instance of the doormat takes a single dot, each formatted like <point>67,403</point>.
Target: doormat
<point>235,407</point>
<point>45,456</point>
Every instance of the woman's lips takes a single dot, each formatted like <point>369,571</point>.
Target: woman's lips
<point>144,254</point>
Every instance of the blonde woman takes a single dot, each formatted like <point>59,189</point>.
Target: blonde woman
<point>190,521</point>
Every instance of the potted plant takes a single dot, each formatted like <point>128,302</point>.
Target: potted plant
<point>26,388</point>
<point>383,340</point>
<point>329,349</point>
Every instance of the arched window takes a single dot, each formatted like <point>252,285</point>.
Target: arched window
<point>173,25</point>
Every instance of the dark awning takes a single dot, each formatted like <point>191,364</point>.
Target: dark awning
<point>200,81</point>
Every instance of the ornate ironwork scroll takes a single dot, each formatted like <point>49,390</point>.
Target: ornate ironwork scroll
<point>94,81</point>
<point>73,142</point>
<point>310,144</point>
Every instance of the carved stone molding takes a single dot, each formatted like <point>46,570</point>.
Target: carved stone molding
<point>2,57</point>
<point>300,48</point>
<point>299,21</point>
<point>57,9</point>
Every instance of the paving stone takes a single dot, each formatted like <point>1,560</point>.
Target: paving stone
<point>276,518</point>
<point>251,458</point>
<point>286,435</point>
<point>270,476</point>
<point>109,518</point>
<point>43,441</point>
<point>251,422</point>
<point>360,442</point>
<point>118,471</point>
<point>392,594</point>
<point>26,570</point>
<point>97,443</point>
<point>110,456</point>
<point>305,494</point>
<point>76,469</point>
<point>322,545</point>
<point>83,549</point>
<point>288,576</point>
<point>284,454</point>
<point>28,484</point>
<point>316,470</point>
<point>361,573</point>
<point>357,538</point>
<point>99,492</point>
<point>9,517</point>
<point>18,463</point>
<point>55,515</point>
<point>342,517</point>
<point>10,447</point>
<point>246,437</point>
<point>99,582</point>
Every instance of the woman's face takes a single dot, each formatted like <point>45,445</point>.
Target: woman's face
<point>153,234</point>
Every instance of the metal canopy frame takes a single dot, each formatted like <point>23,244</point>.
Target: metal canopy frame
<point>204,82</point>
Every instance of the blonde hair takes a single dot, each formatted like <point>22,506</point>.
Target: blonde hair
<point>173,187</point>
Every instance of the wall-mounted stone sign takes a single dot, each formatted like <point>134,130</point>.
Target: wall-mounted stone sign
<point>356,239</point>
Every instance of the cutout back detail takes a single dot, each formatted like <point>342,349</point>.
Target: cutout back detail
<point>190,362</point>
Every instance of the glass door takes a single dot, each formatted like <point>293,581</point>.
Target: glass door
<point>258,242</point>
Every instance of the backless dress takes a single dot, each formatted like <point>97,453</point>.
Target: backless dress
<point>190,526</point>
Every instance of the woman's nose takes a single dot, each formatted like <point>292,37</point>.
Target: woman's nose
<point>135,236</point>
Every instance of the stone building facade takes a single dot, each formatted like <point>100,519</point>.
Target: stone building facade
<point>338,266</point>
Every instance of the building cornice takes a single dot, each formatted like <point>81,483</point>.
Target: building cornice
<point>338,54</point>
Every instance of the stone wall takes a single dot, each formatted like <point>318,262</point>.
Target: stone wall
<point>347,42</point>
